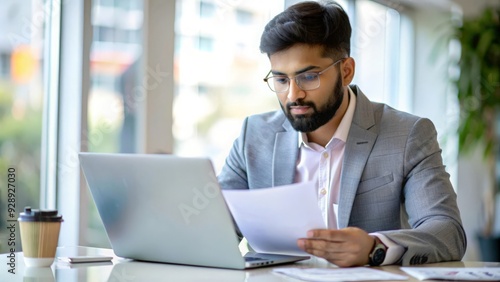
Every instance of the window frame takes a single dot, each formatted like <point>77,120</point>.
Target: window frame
<point>65,126</point>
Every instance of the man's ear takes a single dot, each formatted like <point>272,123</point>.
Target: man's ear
<point>347,71</point>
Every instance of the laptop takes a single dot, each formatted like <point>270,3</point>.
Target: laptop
<point>165,208</point>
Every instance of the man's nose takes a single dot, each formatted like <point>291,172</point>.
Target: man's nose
<point>294,92</point>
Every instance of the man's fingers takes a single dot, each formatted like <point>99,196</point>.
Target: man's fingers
<point>315,244</point>
<point>319,248</point>
<point>326,234</point>
<point>345,247</point>
<point>330,251</point>
<point>310,245</point>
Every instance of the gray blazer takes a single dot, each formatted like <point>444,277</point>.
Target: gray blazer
<point>393,179</point>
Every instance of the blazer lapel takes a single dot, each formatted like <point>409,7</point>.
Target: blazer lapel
<point>285,153</point>
<point>359,144</point>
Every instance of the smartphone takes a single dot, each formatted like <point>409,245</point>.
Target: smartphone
<point>80,259</point>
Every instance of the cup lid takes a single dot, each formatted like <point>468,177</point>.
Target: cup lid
<point>40,215</point>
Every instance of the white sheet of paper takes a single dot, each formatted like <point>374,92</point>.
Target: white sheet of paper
<point>455,274</point>
<point>272,219</point>
<point>339,274</point>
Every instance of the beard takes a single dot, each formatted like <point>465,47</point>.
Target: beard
<point>319,117</point>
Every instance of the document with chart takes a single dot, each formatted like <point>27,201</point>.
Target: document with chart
<point>462,273</point>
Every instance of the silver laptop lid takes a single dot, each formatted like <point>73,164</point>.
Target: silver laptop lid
<point>162,208</point>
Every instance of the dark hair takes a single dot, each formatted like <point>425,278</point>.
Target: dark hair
<point>314,23</point>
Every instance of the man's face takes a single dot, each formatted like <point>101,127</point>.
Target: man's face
<point>307,110</point>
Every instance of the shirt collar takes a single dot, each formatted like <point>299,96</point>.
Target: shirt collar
<point>344,126</point>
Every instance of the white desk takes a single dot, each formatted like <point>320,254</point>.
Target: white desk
<point>125,270</point>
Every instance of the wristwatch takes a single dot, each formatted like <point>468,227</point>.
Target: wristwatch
<point>377,254</point>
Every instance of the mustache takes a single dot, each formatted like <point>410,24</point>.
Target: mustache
<point>300,103</point>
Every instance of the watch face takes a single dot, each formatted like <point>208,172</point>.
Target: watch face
<point>378,256</point>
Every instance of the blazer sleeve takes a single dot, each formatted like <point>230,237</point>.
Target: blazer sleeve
<point>436,232</point>
<point>233,174</point>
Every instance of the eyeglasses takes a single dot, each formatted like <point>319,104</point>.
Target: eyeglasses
<point>305,81</point>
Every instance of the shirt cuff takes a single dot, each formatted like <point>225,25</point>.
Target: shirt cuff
<point>394,251</point>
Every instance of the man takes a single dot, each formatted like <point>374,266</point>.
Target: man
<point>381,184</point>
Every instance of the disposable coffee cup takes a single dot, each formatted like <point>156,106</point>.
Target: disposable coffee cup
<point>39,236</point>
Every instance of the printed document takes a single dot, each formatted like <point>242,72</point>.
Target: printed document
<point>339,274</point>
<point>272,219</point>
<point>459,273</point>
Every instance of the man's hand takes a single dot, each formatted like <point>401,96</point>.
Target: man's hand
<point>345,247</point>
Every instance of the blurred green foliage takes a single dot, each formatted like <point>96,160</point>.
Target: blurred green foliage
<point>20,142</point>
<point>478,93</point>
<point>479,82</point>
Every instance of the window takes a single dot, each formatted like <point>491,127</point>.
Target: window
<point>5,65</point>
<point>219,82</point>
<point>207,10</point>
<point>382,64</point>
<point>203,89</point>
<point>231,68</point>
<point>243,17</point>
<point>206,44</point>
<point>22,25</point>
<point>114,69</point>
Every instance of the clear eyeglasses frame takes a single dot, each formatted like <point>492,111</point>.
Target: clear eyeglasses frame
<point>305,81</point>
